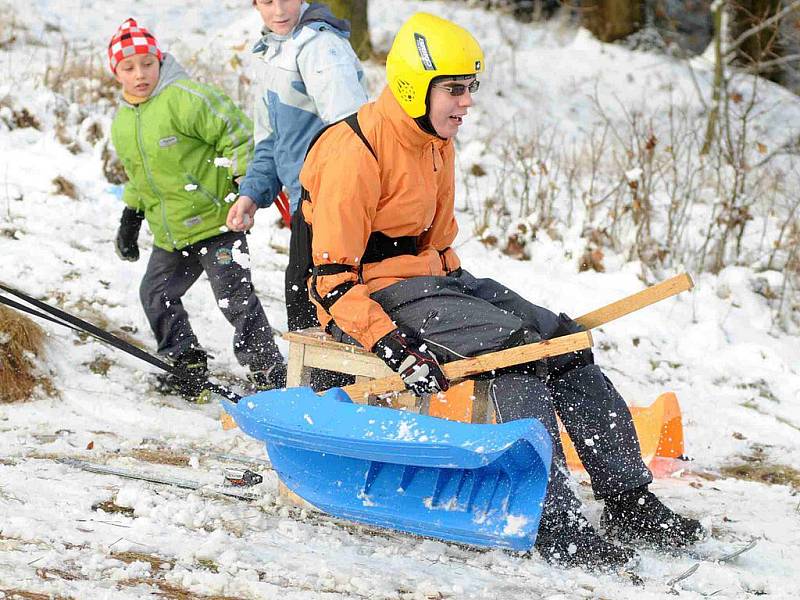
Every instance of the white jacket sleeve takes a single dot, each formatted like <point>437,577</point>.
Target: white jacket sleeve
<point>332,76</point>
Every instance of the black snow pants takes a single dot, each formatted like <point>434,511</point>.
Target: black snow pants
<point>464,316</point>
<point>169,276</point>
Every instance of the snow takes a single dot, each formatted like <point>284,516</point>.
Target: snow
<point>515,525</point>
<point>736,374</point>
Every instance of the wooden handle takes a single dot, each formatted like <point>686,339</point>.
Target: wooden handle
<point>458,369</point>
<point>620,308</point>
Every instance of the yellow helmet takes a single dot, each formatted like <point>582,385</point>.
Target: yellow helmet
<point>427,47</point>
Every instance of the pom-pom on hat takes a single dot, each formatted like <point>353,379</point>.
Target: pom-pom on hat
<point>131,39</point>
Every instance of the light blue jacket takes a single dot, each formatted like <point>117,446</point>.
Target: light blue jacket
<point>311,78</point>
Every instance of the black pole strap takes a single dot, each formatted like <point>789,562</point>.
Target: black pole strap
<point>65,319</point>
<point>35,313</point>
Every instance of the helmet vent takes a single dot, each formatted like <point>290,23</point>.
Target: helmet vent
<point>406,90</point>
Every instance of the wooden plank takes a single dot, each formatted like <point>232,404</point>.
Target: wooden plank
<point>294,368</point>
<point>293,498</point>
<point>620,308</point>
<point>404,401</point>
<point>316,337</point>
<point>367,365</point>
<point>482,409</point>
<point>480,364</point>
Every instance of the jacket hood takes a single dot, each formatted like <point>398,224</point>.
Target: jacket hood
<point>311,15</point>
<point>321,13</point>
<point>171,71</point>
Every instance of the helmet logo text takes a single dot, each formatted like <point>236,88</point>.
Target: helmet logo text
<point>424,54</point>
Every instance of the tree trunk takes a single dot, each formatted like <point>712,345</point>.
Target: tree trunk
<point>719,78</point>
<point>761,46</point>
<point>611,20</point>
<point>355,11</point>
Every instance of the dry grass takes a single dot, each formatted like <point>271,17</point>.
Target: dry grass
<point>65,187</point>
<point>14,594</point>
<point>81,76</point>
<point>100,365</point>
<point>21,341</point>
<point>44,573</point>
<point>756,466</point>
<point>161,457</point>
<point>173,592</point>
<point>112,167</point>
<point>110,507</point>
<point>156,562</point>
<point>775,474</point>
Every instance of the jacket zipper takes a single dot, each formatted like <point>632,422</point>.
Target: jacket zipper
<point>194,181</point>
<point>162,204</point>
<point>433,157</point>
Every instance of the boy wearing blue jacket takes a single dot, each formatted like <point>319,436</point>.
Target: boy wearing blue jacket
<point>311,77</point>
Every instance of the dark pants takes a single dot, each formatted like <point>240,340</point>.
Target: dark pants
<point>300,312</point>
<point>465,316</point>
<point>169,276</point>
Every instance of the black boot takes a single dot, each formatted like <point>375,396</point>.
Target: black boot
<point>638,515</point>
<point>570,541</point>
<point>269,378</point>
<point>192,373</point>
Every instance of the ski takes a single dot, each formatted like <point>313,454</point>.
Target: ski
<point>724,558</point>
<point>229,492</point>
<point>186,484</point>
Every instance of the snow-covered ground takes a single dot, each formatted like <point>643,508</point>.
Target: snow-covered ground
<point>736,375</point>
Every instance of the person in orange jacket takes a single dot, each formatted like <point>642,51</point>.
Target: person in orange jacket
<point>384,275</point>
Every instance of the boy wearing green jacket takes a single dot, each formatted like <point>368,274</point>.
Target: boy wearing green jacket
<point>183,144</point>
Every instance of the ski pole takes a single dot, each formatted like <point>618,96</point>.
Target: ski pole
<point>60,317</point>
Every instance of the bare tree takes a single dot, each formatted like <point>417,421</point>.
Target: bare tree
<point>758,41</point>
<point>356,12</point>
<point>753,40</point>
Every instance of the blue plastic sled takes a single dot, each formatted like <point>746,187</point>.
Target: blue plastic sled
<point>482,485</point>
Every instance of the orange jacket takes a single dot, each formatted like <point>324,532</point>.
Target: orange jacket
<point>407,191</point>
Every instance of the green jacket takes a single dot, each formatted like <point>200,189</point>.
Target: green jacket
<point>168,146</point>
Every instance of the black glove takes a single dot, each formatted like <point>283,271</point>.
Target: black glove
<point>410,358</point>
<point>128,234</point>
<point>456,273</point>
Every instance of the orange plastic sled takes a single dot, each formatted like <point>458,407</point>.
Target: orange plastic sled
<point>658,426</point>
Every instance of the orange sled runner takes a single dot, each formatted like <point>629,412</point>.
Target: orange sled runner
<point>658,426</point>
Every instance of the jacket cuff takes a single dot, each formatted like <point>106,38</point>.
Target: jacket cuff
<point>260,196</point>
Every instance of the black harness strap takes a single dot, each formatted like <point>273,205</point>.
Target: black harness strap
<point>352,121</point>
<point>332,269</point>
<point>380,247</point>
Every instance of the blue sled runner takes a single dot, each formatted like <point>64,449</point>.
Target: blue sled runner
<point>482,485</point>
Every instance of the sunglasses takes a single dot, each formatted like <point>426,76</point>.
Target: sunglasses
<point>458,89</point>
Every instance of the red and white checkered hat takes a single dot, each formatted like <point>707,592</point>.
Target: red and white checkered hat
<point>131,39</point>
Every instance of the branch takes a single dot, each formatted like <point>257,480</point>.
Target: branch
<point>762,66</point>
<point>734,46</point>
